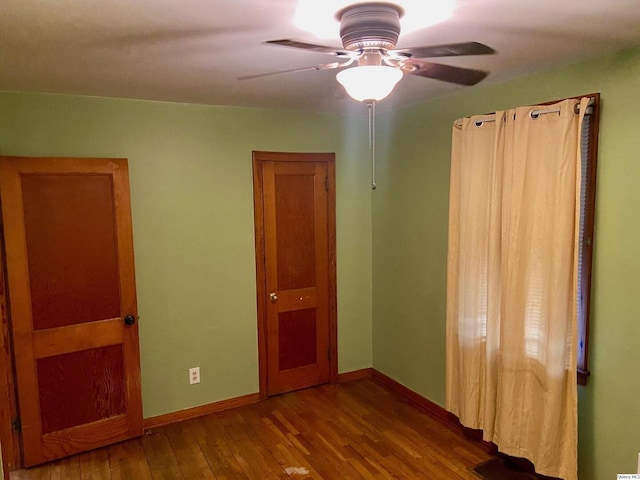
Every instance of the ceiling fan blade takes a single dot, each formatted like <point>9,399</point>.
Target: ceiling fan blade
<point>326,66</point>
<point>310,46</point>
<point>449,50</point>
<point>446,73</point>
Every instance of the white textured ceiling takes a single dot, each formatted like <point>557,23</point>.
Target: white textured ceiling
<point>194,50</point>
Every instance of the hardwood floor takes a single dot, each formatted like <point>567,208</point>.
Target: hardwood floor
<point>356,430</point>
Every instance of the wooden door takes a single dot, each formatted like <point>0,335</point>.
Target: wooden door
<point>295,238</point>
<point>69,253</point>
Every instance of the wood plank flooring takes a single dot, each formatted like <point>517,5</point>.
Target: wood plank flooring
<point>356,430</point>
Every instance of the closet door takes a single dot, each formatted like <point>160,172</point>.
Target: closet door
<point>295,229</point>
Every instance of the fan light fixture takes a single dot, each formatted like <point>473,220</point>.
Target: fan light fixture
<point>369,82</point>
<point>369,31</point>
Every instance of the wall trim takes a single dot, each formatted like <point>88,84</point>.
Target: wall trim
<point>354,375</point>
<point>200,411</point>
<point>435,411</point>
<point>432,408</point>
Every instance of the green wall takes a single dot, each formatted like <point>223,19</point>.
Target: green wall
<point>192,207</point>
<point>410,248</point>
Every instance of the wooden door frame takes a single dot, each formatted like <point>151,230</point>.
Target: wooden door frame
<point>9,436</point>
<point>261,276</point>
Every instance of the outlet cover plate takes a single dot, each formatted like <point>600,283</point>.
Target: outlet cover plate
<point>194,375</point>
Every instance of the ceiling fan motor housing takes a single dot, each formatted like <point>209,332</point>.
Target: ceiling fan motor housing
<point>370,26</point>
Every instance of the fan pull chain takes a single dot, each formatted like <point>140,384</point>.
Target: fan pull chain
<point>372,141</point>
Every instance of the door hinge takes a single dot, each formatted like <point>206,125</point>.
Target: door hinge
<point>326,183</point>
<point>17,425</point>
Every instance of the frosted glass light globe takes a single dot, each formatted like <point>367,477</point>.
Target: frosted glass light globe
<point>369,82</point>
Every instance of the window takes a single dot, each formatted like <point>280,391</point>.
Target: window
<point>589,156</point>
<point>589,153</point>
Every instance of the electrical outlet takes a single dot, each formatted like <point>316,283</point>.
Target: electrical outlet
<point>194,375</point>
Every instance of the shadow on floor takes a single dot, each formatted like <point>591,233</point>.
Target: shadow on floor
<point>505,468</point>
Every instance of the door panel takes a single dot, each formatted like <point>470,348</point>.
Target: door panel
<point>295,210</point>
<point>69,252</point>
<point>95,376</point>
<point>72,252</point>
<point>297,338</point>
<point>294,223</point>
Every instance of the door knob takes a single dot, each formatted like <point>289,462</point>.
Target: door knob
<point>129,320</point>
<point>273,297</point>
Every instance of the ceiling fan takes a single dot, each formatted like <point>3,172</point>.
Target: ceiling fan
<point>369,33</point>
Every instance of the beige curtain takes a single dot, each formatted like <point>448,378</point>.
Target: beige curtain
<point>512,280</point>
